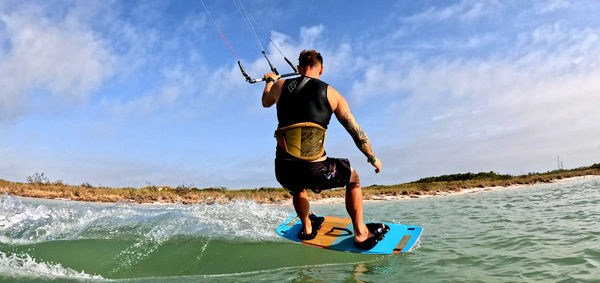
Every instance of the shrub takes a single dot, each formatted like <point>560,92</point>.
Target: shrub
<point>492,176</point>
<point>38,178</point>
<point>183,186</point>
<point>215,190</point>
<point>86,185</point>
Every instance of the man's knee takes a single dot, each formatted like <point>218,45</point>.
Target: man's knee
<point>354,179</point>
<point>299,194</point>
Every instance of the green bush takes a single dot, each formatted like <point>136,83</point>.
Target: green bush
<point>492,176</point>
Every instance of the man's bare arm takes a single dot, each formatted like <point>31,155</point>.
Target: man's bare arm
<point>345,117</point>
<point>272,90</point>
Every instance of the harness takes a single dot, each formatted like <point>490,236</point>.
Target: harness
<point>304,141</point>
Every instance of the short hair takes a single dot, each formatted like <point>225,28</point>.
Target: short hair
<point>310,58</point>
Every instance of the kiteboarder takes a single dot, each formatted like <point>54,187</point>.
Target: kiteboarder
<point>304,108</point>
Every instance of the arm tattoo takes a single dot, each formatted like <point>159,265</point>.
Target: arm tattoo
<point>358,135</point>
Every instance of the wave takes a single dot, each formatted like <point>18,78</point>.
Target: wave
<point>240,221</point>
<point>20,265</point>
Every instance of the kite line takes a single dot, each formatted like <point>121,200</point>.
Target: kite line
<point>247,19</point>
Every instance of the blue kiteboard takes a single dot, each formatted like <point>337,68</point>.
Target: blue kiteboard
<point>338,234</point>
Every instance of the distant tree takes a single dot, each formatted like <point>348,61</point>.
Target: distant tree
<point>38,178</point>
<point>465,176</point>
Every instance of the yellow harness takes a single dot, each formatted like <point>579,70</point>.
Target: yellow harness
<point>304,141</point>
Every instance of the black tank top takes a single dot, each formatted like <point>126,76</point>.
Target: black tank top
<point>302,100</point>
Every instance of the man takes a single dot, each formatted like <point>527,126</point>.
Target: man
<point>304,107</point>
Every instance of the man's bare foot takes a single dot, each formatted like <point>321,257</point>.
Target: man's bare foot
<point>313,225</point>
<point>366,233</point>
<point>375,234</point>
<point>363,234</point>
<point>308,229</point>
<point>308,226</point>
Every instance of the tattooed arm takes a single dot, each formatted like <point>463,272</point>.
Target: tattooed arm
<point>342,112</point>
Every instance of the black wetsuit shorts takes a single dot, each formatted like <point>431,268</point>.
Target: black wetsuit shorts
<point>296,176</point>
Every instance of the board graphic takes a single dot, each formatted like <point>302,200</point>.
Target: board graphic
<point>333,235</point>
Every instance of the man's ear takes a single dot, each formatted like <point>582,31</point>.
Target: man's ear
<point>321,72</point>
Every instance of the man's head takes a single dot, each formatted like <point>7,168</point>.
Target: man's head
<point>310,58</point>
<point>310,63</point>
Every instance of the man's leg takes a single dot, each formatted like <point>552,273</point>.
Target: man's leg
<point>354,206</point>
<point>302,207</point>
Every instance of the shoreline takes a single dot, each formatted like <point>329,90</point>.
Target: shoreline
<point>341,200</point>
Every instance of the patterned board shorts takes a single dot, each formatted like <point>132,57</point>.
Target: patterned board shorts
<point>296,176</point>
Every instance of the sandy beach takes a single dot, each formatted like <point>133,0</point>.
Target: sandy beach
<point>277,196</point>
<point>337,200</point>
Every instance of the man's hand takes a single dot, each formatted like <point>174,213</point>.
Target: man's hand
<point>270,77</point>
<point>377,165</point>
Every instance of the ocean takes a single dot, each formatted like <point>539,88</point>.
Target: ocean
<point>542,233</point>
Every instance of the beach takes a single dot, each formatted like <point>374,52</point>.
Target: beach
<point>274,196</point>
<point>336,200</point>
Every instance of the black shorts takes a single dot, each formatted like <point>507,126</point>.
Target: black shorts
<point>296,176</point>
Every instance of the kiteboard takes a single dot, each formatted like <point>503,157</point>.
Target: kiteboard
<point>338,234</point>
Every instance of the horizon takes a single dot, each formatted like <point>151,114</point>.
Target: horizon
<point>41,178</point>
<point>121,94</point>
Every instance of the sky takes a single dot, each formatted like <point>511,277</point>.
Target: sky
<point>131,93</point>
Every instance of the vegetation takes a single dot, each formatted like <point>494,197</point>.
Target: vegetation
<point>39,186</point>
<point>491,176</point>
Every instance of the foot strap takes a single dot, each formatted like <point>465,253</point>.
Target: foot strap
<point>341,229</point>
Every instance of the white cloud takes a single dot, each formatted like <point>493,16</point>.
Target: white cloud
<point>551,6</point>
<point>187,89</point>
<point>63,57</point>
<point>453,44</point>
<point>512,111</point>
<point>310,35</point>
<point>464,10</point>
<point>336,59</point>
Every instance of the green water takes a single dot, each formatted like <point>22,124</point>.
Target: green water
<point>546,233</point>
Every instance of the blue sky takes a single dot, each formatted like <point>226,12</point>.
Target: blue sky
<point>121,93</point>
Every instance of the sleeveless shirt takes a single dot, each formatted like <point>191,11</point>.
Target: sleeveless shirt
<point>302,100</point>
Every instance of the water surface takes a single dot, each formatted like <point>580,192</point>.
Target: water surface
<point>546,233</point>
